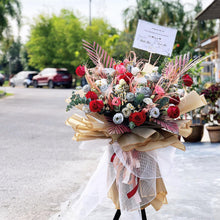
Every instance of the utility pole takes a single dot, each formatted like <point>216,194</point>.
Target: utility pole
<point>90,13</point>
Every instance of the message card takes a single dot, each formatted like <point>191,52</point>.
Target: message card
<point>154,38</point>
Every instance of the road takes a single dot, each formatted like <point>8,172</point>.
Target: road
<point>41,166</point>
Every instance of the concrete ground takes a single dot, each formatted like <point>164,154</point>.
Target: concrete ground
<point>41,166</point>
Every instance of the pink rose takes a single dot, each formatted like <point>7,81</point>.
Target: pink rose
<point>159,90</point>
<point>116,101</point>
<point>120,69</point>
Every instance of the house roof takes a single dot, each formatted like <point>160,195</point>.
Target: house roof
<point>211,12</point>
<point>208,44</point>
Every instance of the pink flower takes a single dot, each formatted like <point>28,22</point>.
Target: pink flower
<point>126,61</point>
<point>120,69</point>
<point>159,90</point>
<point>116,101</point>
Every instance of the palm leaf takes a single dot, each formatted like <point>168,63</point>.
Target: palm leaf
<point>98,55</point>
<point>117,129</point>
<point>168,125</point>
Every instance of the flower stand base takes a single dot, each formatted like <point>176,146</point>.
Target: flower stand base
<point>118,214</point>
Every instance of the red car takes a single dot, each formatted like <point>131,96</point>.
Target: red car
<point>52,77</point>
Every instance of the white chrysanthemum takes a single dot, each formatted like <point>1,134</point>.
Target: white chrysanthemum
<point>135,70</point>
<point>104,88</point>
<point>155,112</point>
<point>147,101</point>
<point>126,112</point>
<point>86,109</point>
<point>118,88</point>
<point>109,71</point>
<point>86,88</point>
<point>98,83</point>
<point>130,106</point>
<point>118,118</point>
<point>122,82</point>
<point>103,82</point>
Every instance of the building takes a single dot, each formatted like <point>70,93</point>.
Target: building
<point>212,66</point>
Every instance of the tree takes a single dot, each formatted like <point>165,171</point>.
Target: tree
<point>56,41</point>
<point>10,57</point>
<point>172,14</point>
<point>12,9</point>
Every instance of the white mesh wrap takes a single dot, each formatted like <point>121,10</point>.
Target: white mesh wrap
<point>125,169</point>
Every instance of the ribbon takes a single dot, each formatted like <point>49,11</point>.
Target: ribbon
<point>134,190</point>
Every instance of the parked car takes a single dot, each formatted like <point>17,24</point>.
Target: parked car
<point>29,79</point>
<point>52,77</point>
<point>20,78</point>
<point>2,79</point>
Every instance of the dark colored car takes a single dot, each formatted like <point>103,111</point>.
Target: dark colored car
<point>29,80</point>
<point>52,77</point>
<point>2,79</point>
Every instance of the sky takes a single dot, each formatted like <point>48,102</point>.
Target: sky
<point>109,9</point>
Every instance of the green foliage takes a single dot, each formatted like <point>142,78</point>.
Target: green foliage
<point>10,57</point>
<point>172,14</point>
<point>56,41</point>
<point>9,9</point>
<point>77,100</point>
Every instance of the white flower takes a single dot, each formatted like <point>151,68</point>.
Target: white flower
<point>118,118</point>
<point>180,92</point>
<point>103,88</point>
<point>86,109</point>
<point>118,88</point>
<point>141,80</point>
<point>147,101</point>
<point>126,112</point>
<point>135,70</point>
<point>122,82</point>
<point>155,112</point>
<point>103,82</point>
<point>109,71</point>
<point>130,96</point>
<point>98,83</point>
<point>155,69</point>
<point>130,106</point>
<point>86,88</point>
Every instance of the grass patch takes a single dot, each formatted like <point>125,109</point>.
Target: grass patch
<point>6,84</point>
<point>3,94</point>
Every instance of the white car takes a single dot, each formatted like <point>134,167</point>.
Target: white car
<point>23,78</point>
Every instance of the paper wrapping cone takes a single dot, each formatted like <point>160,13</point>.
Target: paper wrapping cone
<point>191,101</point>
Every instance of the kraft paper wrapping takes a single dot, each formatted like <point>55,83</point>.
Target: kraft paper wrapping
<point>191,101</point>
<point>141,138</point>
<point>157,202</point>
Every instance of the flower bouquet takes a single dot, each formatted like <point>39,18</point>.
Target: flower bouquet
<point>138,110</point>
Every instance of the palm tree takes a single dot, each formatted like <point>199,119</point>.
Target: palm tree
<point>9,9</point>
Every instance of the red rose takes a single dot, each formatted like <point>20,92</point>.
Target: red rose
<point>138,118</point>
<point>187,80</point>
<point>126,76</point>
<point>173,112</point>
<point>80,71</point>
<point>91,95</point>
<point>174,100</point>
<point>96,105</point>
